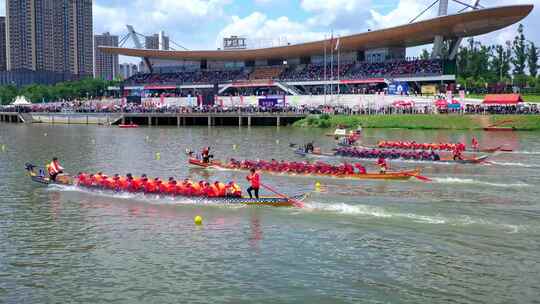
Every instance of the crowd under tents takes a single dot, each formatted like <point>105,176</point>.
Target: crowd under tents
<point>502,100</point>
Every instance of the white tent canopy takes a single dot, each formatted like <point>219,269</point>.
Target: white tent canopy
<point>21,101</point>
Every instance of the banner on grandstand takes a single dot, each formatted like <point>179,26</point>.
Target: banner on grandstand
<point>268,102</point>
<point>429,89</point>
<point>398,88</point>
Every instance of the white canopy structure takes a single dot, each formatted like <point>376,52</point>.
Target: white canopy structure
<point>21,101</point>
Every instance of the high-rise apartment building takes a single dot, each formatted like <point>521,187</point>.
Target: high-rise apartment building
<point>128,69</point>
<point>157,42</point>
<point>105,65</point>
<point>49,35</point>
<point>2,43</point>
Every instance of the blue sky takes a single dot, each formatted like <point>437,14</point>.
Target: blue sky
<point>201,24</point>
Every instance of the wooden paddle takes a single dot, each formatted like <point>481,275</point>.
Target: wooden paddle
<point>420,177</point>
<point>295,202</point>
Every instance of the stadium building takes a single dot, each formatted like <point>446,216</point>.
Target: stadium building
<point>334,70</point>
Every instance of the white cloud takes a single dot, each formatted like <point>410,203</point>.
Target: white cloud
<point>263,31</point>
<point>337,14</point>
<point>174,17</point>
<point>406,10</point>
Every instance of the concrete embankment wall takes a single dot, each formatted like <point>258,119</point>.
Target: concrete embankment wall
<point>75,118</point>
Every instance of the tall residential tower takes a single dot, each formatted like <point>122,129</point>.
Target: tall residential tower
<point>105,65</point>
<point>49,35</point>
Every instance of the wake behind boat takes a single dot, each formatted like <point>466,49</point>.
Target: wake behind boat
<point>39,176</point>
<point>312,170</point>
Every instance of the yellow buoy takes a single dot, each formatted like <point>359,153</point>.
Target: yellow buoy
<point>234,147</point>
<point>198,220</point>
<point>317,186</point>
<point>158,156</point>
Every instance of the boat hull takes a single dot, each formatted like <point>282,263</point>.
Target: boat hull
<point>400,175</point>
<point>128,126</point>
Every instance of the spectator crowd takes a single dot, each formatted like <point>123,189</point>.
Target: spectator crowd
<point>305,72</point>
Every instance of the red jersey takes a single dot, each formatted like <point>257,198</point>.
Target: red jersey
<point>254,179</point>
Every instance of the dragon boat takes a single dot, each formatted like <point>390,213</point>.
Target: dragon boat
<point>446,147</point>
<point>471,160</point>
<point>397,175</point>
<point>38,175</point>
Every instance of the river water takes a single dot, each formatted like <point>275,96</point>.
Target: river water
<point>470,236</point>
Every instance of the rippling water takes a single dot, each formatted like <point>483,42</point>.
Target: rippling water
<point>471,236</point>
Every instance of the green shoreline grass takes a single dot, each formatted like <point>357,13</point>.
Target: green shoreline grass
<point>425,122</point>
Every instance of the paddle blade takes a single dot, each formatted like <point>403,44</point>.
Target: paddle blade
<point>423,178</point>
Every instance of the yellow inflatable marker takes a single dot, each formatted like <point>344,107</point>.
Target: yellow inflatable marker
<point>318,186</point>
<point>158,156</point>
<point>234,147</point>
<point>198,220</point>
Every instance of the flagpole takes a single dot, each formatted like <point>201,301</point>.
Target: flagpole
<point>332,67</point>
<point>339,71</point>
<point>324,70</point>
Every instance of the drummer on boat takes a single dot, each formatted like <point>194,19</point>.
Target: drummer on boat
<point>54,168</point>
<point>206,155</point>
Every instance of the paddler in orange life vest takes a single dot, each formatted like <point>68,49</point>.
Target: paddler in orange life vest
<point>381,162</point>
<point>54,169</point>
<point>233,190</point>
<point>255,181</point>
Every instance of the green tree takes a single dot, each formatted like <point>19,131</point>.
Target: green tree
<point>520,52</point>
<point>500,61</point>
<point>520,80</point>
<point>8,94</point>
<point>532,59</point>
<point>425,55</point>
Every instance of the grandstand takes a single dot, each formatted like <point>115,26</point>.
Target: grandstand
<point>357,64</point>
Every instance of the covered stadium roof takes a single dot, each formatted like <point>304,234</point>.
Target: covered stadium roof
<point>465,24</point>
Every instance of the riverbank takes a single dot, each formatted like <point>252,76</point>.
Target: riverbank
<point>443,122</point>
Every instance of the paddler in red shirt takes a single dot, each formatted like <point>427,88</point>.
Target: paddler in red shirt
<point>361,169</point>
<point>457,153</point>
<point>255,182</point>
<point>82,179</point>
<point>474,144</point>
<point>170,186</point>
<point>381,162</point>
